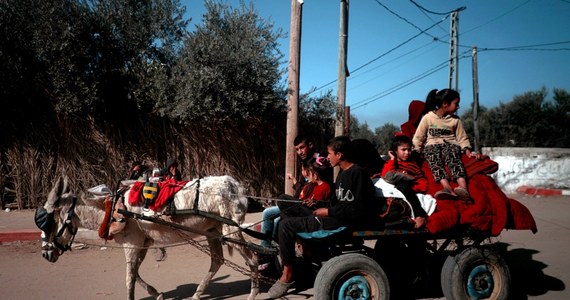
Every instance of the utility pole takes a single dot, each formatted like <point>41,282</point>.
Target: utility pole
<point>454,51</point>
<point>340,124</point>
<point>477,145</point>
<point>342,69</point>
<point>293,92</point>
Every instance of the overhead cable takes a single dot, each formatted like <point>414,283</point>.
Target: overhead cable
<point>404,84</point>
<point>437,13</point>
<point>383,54</point>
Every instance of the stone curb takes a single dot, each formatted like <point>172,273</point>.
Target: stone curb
<point>19,235</point>
<point>35,235</point>
<point>542,191</point>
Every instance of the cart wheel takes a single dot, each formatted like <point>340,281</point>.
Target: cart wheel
<point>475,273</point>
<point>351,276</point>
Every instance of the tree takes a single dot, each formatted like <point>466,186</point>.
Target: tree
<point>317,116</point>
<point>85,57</point>
<point>384,136</point>
<point>556,120</point>
<point>360,131</point>
<point>529,120</point>
<point>227,69</point>
<point>486,134</point>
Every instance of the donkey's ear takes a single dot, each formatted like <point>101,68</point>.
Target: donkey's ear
<point>66,188</point>
<point>54,194</point>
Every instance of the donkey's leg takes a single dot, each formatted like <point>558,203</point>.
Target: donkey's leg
<point>149,288</point>
<point>216,261</point>
<point>131,256</point>
<point>135,256</point>
<point>251,261</point>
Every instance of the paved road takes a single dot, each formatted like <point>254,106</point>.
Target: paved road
<point>539,264</point>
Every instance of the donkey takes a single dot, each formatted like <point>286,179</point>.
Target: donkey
<point>222,196</point>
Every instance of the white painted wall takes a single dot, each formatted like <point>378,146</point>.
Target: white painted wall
<point>535,167</point>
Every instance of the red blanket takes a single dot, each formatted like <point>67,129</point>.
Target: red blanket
<point>166,190</point>
<point>492,210</point>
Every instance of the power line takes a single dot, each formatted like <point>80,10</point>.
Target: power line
<point>529,47</point>
<point>441,39</point>
<point>430,18</point>
<point>388,62</point>
<point>441,66</point>
<point>404,84</point>
<point>399,86</point>
<point>404,19</point>
<point>436,13</point>
<point>498,17</point>
<point>383,54</point>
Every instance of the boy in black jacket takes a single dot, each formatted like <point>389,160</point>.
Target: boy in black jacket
<point>353,205</point>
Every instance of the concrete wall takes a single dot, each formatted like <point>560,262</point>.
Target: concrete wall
<point>535,167</point>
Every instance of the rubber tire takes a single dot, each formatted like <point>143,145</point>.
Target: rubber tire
<point>459,273</point>
<point>337,273</point>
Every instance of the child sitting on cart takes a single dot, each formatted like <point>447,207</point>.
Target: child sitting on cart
<point>354,205</point>
<point>440,137</point>
<point>403,170</point>
<point>315,194</point>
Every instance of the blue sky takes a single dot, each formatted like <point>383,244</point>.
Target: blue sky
<point>380,67</point>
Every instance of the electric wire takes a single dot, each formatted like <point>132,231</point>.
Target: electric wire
<point>438,39</point>
<point>406,83</point>
<point>404,19</point>
<point>529,47</point>
<point>382,55</point>
<point>437,13</point>
<point>496,18</point>
<point>386,72</point>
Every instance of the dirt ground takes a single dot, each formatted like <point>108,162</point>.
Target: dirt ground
<point>539,266</point>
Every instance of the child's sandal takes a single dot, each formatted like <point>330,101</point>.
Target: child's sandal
<point>463,195</point>
<point>445,194</point>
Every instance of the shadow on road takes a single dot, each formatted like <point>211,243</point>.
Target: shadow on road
<point>216,290</point>
<point>527,276</point>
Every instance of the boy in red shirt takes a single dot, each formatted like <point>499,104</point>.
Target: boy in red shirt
<point>404,171</point>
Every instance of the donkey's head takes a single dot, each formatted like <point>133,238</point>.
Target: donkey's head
<point>57,221</point>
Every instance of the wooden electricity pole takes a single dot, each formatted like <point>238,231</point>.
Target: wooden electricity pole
<point>342,69</point>
<point>476,144</point>
<point>340,122</point>
<point>293,93</point>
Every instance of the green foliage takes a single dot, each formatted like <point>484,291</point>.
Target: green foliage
<point>227,69</point>
<point>381,138</point>
<point>360,131</point>
<point>529,120</point>
<point>86,86</point>
<point>384,136</point>
<point>85,58</point>
<point>317,117</point>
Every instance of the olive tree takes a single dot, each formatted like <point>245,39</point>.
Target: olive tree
<point>227,69</point>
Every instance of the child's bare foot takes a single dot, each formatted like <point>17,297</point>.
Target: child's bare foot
<point>419,222</point>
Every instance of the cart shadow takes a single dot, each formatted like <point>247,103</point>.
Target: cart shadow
<point>527,279</point>
<point>225,290</point>
<point>216,290</point>
<point>527,275</point>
